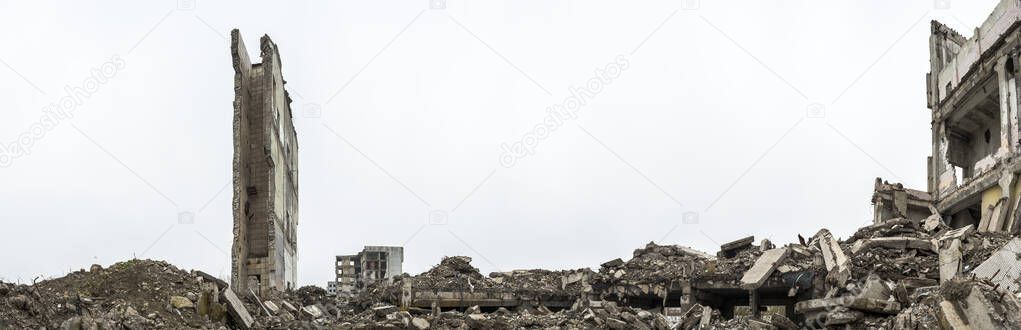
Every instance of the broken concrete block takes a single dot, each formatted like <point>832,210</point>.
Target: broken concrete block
<point>210,278</point>
<point>420,323</point>
<point>1004,267</point>
<point>612,263</point>
<point>949,260</point>
<point>875,288</point>
<point>181,302</point>
<point>932,222</point>
<point>893,243</point>
<point>949,317</point>
<point>862,304</point>
<point>288,306</point>
<point>957,233</point>
<point>763,267</point>
<point>836,262</point>
<point>312,311</point>
<point>237,311</point>
<point>729,250</point>
<point>271,307</point>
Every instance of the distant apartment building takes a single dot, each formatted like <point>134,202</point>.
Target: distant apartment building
<point>374,263</point>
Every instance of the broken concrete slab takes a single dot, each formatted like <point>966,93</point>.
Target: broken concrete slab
<point>730,249</point>
<point>612,263</point>
<point>862,304</point>
<point>289,307</point>
<point>237,311</point>
<point>763,267</point>
<point>957,233</point>
<point>836,262</point>
<point>1004,267</point>
<point>221,284</point>
<point>893,243</point>
<point>312,311</point>
<point>271,307</point>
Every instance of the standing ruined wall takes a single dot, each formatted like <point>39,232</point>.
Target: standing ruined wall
<point>264,251</point>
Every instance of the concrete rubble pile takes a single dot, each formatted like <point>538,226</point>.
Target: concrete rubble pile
<point>899,274</point>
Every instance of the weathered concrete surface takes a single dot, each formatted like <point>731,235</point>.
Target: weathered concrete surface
<point>893,243</point>
<point>265,163</point>
<point>862,304</point>
<point>763,267</point>
<point>949,260</point>
<point>836,262</point>
<point>1004,267</point>
<point>236,309</point>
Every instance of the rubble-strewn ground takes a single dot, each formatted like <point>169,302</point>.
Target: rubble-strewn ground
<point>891,281</point>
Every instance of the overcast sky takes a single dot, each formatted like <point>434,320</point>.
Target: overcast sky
<point>753,118</point>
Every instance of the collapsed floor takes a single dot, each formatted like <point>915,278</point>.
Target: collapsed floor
<point>895,275</point>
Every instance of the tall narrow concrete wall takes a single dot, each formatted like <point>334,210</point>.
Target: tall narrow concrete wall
<point>265,173</point>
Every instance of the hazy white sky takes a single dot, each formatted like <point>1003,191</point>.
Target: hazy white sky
<point>710,117</point>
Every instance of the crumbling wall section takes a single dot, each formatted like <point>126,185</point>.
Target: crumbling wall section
<point>265,171</point>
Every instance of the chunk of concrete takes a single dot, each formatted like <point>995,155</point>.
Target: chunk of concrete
<point>312,311</point>
<point>271,307</point>
<point>949,259</point>
<point>858,303</point>
<point>612,263</point>
<point>420,323</point>
<point>836,262</point>
<point>763,267</point>
<point>288,306</point>
<point>730,249</point>
<point>875,288</point>
<point>1003,268</point>
<point>237,311</point>
<point>893,243</point>
<point>181,302</point>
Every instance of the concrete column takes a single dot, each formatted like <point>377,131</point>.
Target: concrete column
<point>1006,108</point>
<point>753,303</point>
<point>947,178</point>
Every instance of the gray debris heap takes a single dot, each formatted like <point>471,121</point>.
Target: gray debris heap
<point>894,275</point>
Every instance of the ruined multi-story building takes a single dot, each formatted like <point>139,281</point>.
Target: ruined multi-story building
<point>972,91</point>
<point>374,263</point>
<point>265,173</point>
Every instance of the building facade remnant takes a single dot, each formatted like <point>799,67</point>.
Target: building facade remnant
<point>972,91</point>
<point>264,251</point>
<point>892,200</point>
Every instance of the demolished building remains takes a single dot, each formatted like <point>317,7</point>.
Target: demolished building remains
<point>264,252</point>
<point>373,263</point>
<point>972,91</point>
<point>945,258</point>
